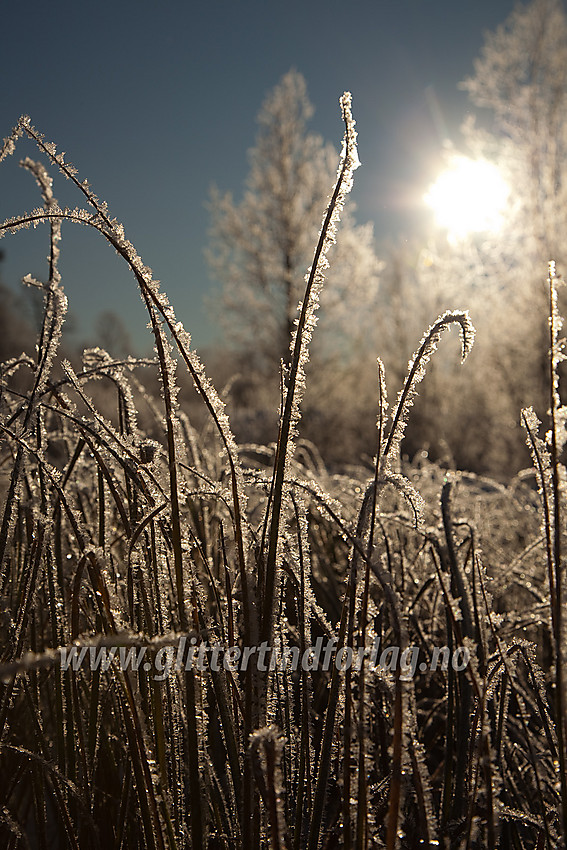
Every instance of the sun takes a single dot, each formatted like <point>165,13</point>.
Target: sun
<point>470,196</point>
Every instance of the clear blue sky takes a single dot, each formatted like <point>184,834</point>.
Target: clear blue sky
<point>154,102</point>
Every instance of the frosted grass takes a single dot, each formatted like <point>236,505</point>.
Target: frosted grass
<point>136,541</point>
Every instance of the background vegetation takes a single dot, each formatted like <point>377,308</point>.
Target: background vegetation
<point>380,296</point>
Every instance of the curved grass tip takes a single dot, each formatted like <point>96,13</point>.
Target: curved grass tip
<point>468,330</point>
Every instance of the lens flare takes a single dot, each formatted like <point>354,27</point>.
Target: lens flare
<point>469,197</point>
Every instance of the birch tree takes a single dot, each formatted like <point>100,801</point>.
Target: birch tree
<point>520,77</point>
<point>520,87</point>
<point>261,247</point>
<point>518,91</point>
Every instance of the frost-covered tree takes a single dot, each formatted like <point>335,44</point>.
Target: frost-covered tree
<point>262,246</point>
<point>520,86</point>
<point>519,91</point>
<point>520,77</point>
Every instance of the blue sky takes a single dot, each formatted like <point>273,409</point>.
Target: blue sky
<point>154,102</point>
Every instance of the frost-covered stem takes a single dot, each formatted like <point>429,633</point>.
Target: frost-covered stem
<point>554,404</point>
<point>400,709</point>
<point>362,789</point>
<point>347,727</point>
<point>459,591</point>
<point>7,514</point>
<point>55,300</point>
<point>53,315</point>
<point>327,740</point>
<point>193,758</point>
<point>350,161</point>
<point>66,169</point>
<point>303,776</point>
<point>173,483</point>
<point>368,508</point>
<point>530,424</point>
<point>458,586</point>
<point>395,801</point>
<point>417,370</point>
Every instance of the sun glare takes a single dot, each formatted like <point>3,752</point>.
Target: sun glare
<point>469,197</point>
